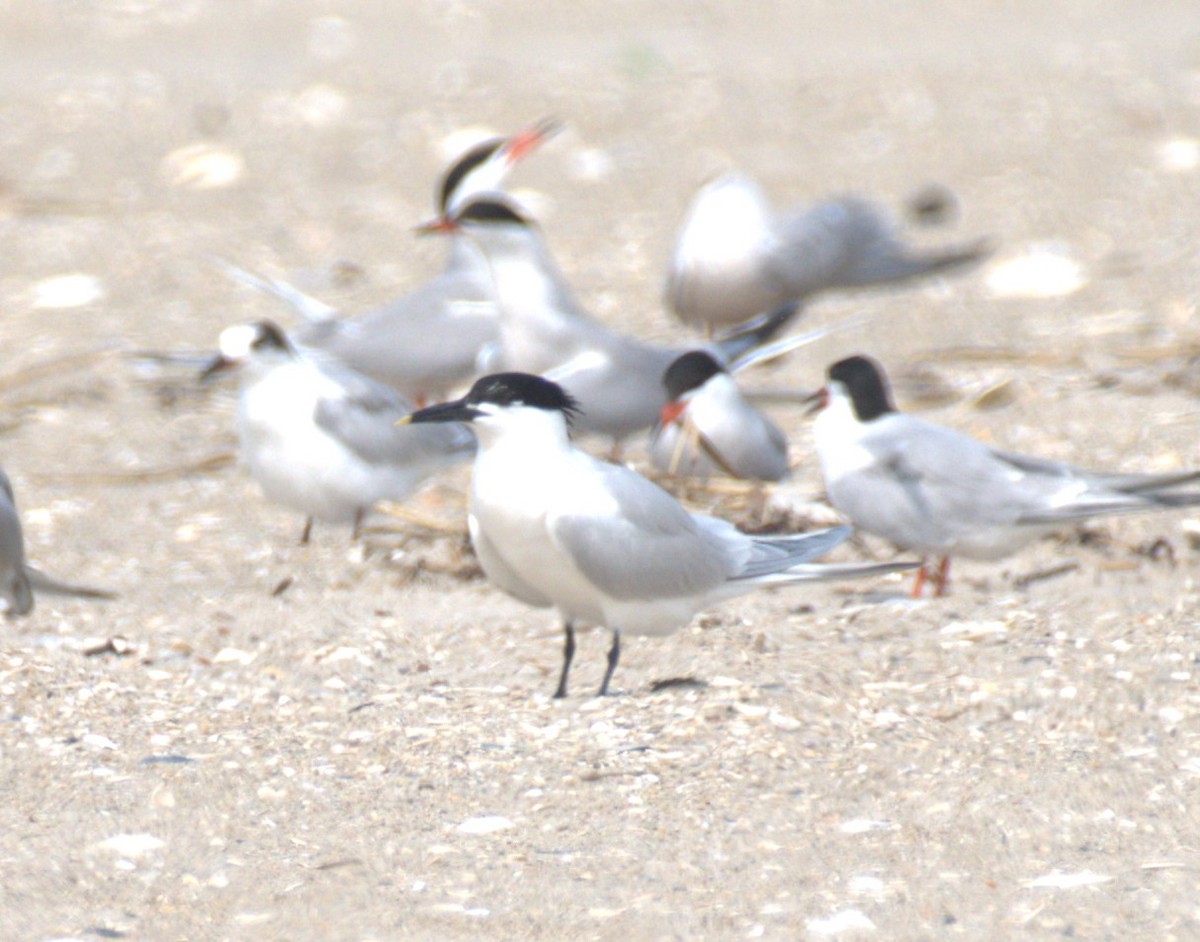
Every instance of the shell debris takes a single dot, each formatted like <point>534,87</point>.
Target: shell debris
<point>203,166</point>
<point>59,292</point>
<point>1041,271</point>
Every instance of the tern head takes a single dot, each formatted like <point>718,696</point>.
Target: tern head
<point>245,341</point>
<point>863,381</point>
<point>499,400</point>
<point>686,374</point>
<point>483,167</point>
<point>490,213</point>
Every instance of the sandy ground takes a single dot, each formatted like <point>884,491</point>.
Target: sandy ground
<point>370,753</point>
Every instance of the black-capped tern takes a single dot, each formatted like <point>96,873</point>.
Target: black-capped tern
<point>321,438</point>
<point>442,333</point>
<point>941,493</point>
<point>735,256</point>
<point>708,428</point>
<point>554,526</point>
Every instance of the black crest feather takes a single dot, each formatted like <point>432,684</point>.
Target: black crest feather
<point>507,389</point>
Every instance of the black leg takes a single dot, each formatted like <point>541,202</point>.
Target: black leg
<point>357,531</point>
<point>568,656</point>
<point>307,532</point>
<point>614,655</point>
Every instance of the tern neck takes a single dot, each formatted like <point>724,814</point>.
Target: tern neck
<point>535,432</point>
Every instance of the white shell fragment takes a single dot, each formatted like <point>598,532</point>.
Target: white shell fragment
<point>65,291</point>
<point>1179,155</point>
<point>1040,272</point>
<point>485,824</point>
<point>975,630</point>
<point>320,105</point>
<point>1060,880</point>
<point>1191,533</point>
<point>132,845</point>
<point>848,920</point>
<point>234,656</point>
<point>96,741</point>
<point>203,166</point>
<point>864,826</point>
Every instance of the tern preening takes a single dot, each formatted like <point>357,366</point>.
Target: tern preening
<point>709,428</point>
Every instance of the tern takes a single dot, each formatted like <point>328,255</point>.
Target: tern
<point>17,578</point>
<point>442,333</point>
<point>941,493</point>
<point>553,526</point>
<point>319,437</point>
<point>708,428</point>
<point>736,257</point>
<point>616,379</point>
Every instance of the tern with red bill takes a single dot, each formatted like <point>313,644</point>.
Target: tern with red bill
<point>941,493</point>
<point>444,332</point>
<point>709,429</point>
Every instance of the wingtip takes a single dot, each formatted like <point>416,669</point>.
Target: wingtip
<point>49,585</point>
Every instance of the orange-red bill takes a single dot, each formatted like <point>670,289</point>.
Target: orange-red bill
<point>438,226</point>
<point>671,412</point>
<point>523,142</point>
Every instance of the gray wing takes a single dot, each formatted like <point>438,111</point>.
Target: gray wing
<point>617,383</point>
<point>642,545</point>
<point>754,451</point>
<point>428,338</point>
<point>775,554</point>
<point>364,420</point>
<point>1074,494</point>
<point>1149,485</point>
<point>814,247</point>
<point>849,242</point>
<point>758,451</point>
<point>308,307</point>
<point>929,486</point>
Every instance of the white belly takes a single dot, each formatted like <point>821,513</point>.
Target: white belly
<point>296,464</point>
<point>513,494</point>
